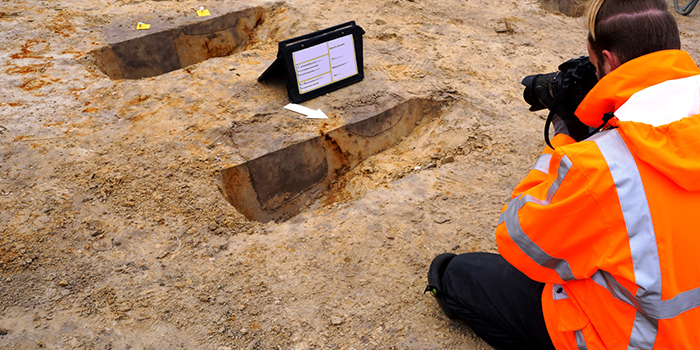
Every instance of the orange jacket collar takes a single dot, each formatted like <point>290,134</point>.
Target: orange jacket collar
<point>640,73</point>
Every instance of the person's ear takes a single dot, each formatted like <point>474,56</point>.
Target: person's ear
<point>610,61</point>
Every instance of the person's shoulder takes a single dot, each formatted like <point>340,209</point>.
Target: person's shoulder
<point>585,147</point>
<point>589,155</point>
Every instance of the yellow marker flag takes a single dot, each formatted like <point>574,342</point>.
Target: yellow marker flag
<point>202,12</point>
<point>143,26</point>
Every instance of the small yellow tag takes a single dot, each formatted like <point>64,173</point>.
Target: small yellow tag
<point>203,13</point>
<point>143,26</point>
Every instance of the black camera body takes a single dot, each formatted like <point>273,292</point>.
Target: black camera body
<point>561,92</point>
<point>567,87</point>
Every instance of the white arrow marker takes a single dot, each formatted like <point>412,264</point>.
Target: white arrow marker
<point>308,112</point>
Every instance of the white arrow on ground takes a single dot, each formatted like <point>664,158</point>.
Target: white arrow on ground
<point>308,112</point>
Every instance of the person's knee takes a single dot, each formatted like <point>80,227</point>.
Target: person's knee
<point>469,269</point>
<point>478,261</point>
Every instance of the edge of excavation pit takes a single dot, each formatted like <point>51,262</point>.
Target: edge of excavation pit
<point>176,41</point>
<point>280,184</point>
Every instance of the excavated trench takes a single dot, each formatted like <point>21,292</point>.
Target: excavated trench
<point>278,185</point>
<point>177,47</point>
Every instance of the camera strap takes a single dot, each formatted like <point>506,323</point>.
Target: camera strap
<point>550,117</point>
<point>606,119</point>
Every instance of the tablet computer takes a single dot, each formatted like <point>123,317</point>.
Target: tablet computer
<point>320,62</point>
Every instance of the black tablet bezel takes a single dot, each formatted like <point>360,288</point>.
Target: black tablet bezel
<point>288,47</point>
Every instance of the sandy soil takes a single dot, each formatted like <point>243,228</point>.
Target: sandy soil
<point>113,234</point>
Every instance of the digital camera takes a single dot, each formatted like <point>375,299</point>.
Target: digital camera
<point>567,87</point>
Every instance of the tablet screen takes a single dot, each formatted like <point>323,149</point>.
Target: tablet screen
<point>325,63</point>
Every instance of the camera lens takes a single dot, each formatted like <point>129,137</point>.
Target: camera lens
<point>531,82</point>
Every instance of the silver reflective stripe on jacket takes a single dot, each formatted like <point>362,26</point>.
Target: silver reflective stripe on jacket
<point>642,240</point>
<point>558,292</point>
<point>542,163</point>
<point>640,230</point>
<point>516,233</point>
<point>655,309</point>
<point>580,341</point>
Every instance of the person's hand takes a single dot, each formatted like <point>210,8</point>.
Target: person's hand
<point>559,126</point>
<point>564,121</point>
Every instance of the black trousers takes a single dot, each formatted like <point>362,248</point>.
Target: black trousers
<point>498,302</point>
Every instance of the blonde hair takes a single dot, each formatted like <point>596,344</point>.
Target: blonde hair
<point>631,28</point>
<point>592,10</point>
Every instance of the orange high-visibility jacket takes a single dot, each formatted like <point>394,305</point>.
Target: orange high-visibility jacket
<point>612,224</point>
